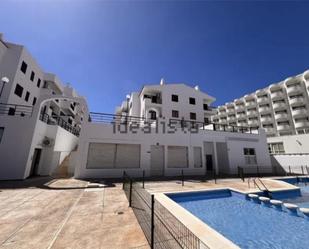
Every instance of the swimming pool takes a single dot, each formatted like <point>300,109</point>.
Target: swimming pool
<point>247,224</point>
<point>303,199</point>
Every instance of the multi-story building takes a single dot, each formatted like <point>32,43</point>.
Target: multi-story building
<point>40,118</point>
<point>171,101</point>
<point>141,137</point>
<point>282,109</point>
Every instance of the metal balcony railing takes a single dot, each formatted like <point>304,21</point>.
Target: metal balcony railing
<point>57,120</point>
<point>15,110</point>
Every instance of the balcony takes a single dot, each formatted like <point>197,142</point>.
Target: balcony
<point>283,127</point>
<point>264,109</point>
<point>240,107</point>
<point>231,119</point>
<point>265,120</point>
<point>252,113</point>
<point>279,105</point>
<point>230,110</point>
<point>241,116</point>
<point>302,124</point>
<point>270,131</point>
<point>263,100</point>
<point>253,123</point>
<point>222,114</point>
<point>294,89</point>
<point>251,104</point>
<point>300,113</point>
<point>297,101</point>
<point>277,95</point>
<point>281,116</point>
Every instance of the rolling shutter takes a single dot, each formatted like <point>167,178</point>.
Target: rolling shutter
<point>101,156</point>
<point>128,156</point>
<point>177,156</point>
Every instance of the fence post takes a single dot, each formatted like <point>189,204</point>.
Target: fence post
<point>290,170</point>
<point>130,197</point>
<point>258,171</point>
<point>182,178</point>
<point>302,170</point>
<point>152,222</point>
<point>307,170</point>
<point>123,179</point>
<point>143,178</point>
<point>215,175</point>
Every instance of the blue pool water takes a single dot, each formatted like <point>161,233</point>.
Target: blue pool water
<point>247,224</point>
<point>301,200</point>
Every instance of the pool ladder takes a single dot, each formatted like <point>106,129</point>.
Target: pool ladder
<point>256,181</point>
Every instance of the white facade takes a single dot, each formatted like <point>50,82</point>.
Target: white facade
<point>40,118</point>
<point>282,109</point>
<point>107,149</point>
<point>171,101</point>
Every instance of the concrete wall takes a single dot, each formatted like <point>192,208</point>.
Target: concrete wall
<point>292,144</point>
<point>103,133</point>
<point>291,161</point>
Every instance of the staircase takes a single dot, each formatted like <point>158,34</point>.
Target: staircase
<point>62,171</point>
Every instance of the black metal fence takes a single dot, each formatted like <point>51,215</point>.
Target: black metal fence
<point>57,120</point>
<point>260,171</point>
<point>16,110</point>
<point>161,228</point>
<point>107,118</point>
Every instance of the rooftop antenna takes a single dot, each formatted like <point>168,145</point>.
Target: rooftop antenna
<point>162,82</point>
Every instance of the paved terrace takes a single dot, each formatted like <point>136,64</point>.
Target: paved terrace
<point>43,213</point>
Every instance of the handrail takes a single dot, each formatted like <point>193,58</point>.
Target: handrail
<point>257,178</point>
<point>16,110</point>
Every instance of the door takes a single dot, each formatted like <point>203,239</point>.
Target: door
<point>35,162</point>
<point>157,160</point>
<point>209,163</point>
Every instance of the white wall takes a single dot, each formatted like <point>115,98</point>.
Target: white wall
<point>103,133</point>
<point>293,161</point>
<point>292,144</point>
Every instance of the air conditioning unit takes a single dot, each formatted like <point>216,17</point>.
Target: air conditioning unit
<point>48,142</point>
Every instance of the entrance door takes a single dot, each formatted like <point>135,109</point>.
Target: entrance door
<point>35,162</point>
<point>157,160</point>
<point>209,163</point>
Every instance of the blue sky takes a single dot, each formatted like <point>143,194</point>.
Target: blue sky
<point>107,49</point>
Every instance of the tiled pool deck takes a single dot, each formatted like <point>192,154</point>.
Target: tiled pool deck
<point>64,213</point>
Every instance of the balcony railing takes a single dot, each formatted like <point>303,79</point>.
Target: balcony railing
<point>15,110</point>
<point>57,120</point>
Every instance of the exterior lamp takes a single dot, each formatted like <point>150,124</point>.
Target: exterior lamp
<point>4,81</point>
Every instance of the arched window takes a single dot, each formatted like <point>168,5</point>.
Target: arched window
<point>152,115</point>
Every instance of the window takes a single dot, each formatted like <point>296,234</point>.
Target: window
<point>276,148</point>
<point>19,90</point>
<point>250,157</point>
<point>206,120</point>
<point>38,84</point>
<point>205,107</point>
<point>152,115</point>
<point>27,96</point>
<point>192,101</point>
<point>34,101</point>
<point>174,98</point>
<point>32,76</point>
<point>1,133</point>
<point>23,67</point>
<point>193,115</point>
<point>175,114</point>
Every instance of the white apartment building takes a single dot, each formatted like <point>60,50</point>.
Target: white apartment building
<point>282,109</point>
<point>40,118</point>
<point>162,130</point>
<point>171,101</point>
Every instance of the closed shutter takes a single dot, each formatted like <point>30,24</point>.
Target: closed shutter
<point>128,156</point>
<point>197,151</point>
<point>101,156</point>
<point>177,157</point>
